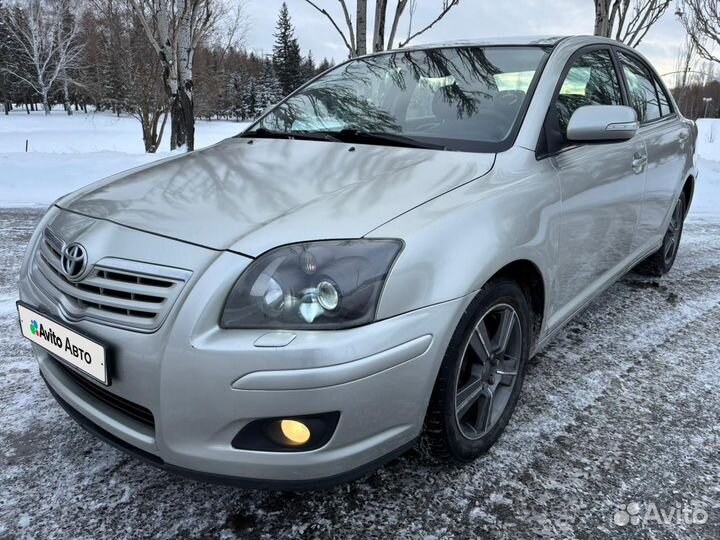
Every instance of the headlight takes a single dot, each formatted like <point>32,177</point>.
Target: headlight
<point>317,285</point>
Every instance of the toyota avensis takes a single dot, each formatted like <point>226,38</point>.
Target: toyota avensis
<point>372,262</point>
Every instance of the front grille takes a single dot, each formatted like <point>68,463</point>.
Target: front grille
<point>133,410</point>
<point>118,292</point>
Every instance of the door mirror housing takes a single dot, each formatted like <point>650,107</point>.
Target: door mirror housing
<point>597,123</point>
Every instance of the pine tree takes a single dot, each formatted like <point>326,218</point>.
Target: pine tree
<point>287,59</point>
<point>308,68</point>
<point>269,89</point>
<point>323,66</point>
<point>243,94</point>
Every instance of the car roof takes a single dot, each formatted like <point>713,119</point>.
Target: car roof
<point>546,41</point>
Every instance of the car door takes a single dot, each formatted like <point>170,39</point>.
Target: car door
<point>602,184</point>
<point>667,139</point>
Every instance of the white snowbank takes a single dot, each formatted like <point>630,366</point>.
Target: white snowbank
<point>706,201</point>
<point>68,152</point>
<point>708,143</point>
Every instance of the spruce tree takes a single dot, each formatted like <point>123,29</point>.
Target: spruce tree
<point>308,67</point>
<point>287,59</point>
<point>269,89</point>
<point>323,66</point>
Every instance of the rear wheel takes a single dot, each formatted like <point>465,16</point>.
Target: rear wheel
<point>660,262</point>
<point>481,375</point>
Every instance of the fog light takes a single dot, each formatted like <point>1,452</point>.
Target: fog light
<point>295,432</point>
<point>287,434</point>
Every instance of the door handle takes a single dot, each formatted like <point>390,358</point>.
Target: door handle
<point>639,162</point>
<point>682,139</point>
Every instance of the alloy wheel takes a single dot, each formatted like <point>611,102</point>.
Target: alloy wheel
<point>488,371</point>
<point>672,236</point>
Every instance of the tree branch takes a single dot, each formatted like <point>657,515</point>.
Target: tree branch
<point>442,14</point>
<point>350,48</point>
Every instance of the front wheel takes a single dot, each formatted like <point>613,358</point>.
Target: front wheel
<point>659,263</point>
<point>480,379</point>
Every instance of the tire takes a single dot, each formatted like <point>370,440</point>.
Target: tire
<point>659,263</point>
<point>450,434</point>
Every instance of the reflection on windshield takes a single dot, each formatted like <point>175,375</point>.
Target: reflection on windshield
<point>470,94</point>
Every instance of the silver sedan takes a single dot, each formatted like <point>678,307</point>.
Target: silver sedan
<point>372,263</point>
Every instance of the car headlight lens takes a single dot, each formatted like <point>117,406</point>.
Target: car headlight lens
<point>316,285</point>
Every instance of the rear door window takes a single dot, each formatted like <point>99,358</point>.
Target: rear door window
<point>665,107</point>
<point>641,89</point>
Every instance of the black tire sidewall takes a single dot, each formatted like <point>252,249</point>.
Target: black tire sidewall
<point>667,266</point>
<point>498,292</point>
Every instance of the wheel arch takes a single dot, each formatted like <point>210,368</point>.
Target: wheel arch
<point>529,277</point>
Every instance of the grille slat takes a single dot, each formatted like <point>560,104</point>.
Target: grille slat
<point>122,293</point>
<point>115,285</point>
<point>82,293</point>
<point>133,410</point>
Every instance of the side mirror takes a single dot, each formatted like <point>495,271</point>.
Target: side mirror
<point>603,123</point>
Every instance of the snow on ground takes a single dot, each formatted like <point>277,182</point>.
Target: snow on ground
<point>621,408</point>
<point>68,152</point>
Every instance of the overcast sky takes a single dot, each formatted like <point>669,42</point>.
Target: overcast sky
<point>469,20</point>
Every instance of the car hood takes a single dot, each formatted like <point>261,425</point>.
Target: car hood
<point>250,195</point>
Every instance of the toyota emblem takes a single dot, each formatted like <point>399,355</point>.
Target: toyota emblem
<point>73,261</point>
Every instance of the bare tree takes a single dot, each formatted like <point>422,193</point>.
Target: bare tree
<point>139,92</point>
<point>701,19</point>
<point>685,69</point>
<point>355,36</point>
<point>47,40</point>
<point>175,28</point>
<point>627,20</point>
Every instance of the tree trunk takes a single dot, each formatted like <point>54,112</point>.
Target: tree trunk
<point>379,32</point>
<point>183,106</point>
<point>46,102</point>
<point>361,40</point>
<point>66,97</point>
<point>187,105</point>
<point>177,133</point>
<point>602,18</point>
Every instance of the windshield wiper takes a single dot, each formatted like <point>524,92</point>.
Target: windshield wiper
<point>263,132</point>
<point>391,139</point>
<point>346,135</point>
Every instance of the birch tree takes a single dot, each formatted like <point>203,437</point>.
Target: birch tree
<point>46,41</point>
<point>5,58</point>
<point>355,34</point>
<point>175,29</point>
<point>627,21</point>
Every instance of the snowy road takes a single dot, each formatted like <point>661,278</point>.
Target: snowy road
<point>622,408</point>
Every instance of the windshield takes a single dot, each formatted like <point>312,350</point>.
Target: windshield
<point>465,98</point>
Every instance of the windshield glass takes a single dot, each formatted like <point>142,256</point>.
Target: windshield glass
<point>465,98</point>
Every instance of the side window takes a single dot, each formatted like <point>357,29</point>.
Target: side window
<point>592,80</point>
<point>641,87</point>
<point>665,107</point>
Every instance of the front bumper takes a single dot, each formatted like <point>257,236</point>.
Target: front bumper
<point>203,384</point>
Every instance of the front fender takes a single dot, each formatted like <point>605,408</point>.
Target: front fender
<point>455,243</point>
